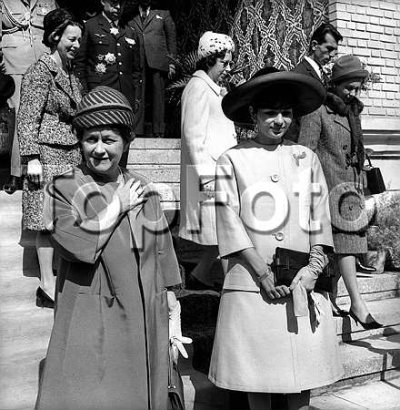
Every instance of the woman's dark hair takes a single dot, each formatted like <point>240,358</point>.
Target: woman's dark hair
<point>123,130</point>
<point>320,33</point>
<point>207,62</point>
<point>54,24</point>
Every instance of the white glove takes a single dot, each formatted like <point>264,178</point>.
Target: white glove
<point>175,333</point>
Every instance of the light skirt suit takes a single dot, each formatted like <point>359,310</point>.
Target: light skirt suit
<point>260,345</point>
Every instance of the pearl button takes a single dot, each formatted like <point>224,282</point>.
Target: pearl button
<point>275,178</point>
<point>279,236</point>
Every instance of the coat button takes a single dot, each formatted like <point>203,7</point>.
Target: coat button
<point>279,236</point>
<point>118,54</point>
<point>275,178</point>
<point>345,147</point>
<point>120,63</point>
<point>118,44</point>
<point>120,73</point>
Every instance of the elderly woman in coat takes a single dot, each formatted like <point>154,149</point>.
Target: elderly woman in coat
<point>334,133</point>
<point>49,95</point>
<point>206,134</point>
<point>270,337</point>
<point>116,311</point>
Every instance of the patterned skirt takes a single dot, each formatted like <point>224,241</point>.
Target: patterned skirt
<point>55,159</point>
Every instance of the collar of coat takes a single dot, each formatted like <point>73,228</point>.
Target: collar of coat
<point>150,16</point>
<point>105,25</point>
<point>336,105</point>
<point>144,217</point>
<point>203,75</point>
<point>62,82</point>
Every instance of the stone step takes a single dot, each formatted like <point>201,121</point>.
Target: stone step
<point>155,143</point>
<point>386,311</point>
<point>155,156</point>
<point>372,287</point>
<point>16,260</point>
<point>370,355</point>
<point>158,173</point>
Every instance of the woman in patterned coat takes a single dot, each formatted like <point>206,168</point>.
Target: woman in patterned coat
<point>49,96</point>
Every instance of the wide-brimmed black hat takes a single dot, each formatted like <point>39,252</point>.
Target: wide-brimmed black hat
<point>305,94</point>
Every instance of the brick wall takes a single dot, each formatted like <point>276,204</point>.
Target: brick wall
<point>371,30</point>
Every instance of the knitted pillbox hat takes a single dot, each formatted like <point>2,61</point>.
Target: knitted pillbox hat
<point>103,106</point>
<point>348,67</point>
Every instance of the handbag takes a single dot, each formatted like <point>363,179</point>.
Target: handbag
<point>375,182</point>
<point>287,263</point>
<point>7,123</point>
<point>175,386</point>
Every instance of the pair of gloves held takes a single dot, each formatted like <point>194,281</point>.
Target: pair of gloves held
<point>303,283</point>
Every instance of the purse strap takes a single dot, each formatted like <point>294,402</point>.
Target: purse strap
<point>368,158</point>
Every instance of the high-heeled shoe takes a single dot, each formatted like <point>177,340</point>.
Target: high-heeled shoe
<point>368,325</point>
<point>43,299</point>
<point>364,268</point>
<point>12,185</point>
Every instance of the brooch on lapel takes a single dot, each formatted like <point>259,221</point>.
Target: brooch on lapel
<point>298,157</point>
<point>114,31</point>
<point>158,17</point>
<point>130,41</point>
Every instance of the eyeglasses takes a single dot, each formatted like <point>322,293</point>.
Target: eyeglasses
<point>227,63</point>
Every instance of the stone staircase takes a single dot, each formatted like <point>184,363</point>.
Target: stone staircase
<point>25,329</point>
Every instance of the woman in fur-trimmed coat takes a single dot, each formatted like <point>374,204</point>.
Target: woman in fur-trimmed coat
<point>334,133</point>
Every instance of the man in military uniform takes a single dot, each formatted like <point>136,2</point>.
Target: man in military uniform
<point>21,42</point>
<point>109,55</point>
<point>158,40</point>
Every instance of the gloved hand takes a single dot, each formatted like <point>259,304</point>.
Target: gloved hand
<point>175,333</point>
<point>308,275</point>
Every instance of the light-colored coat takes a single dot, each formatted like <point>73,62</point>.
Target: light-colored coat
<point>260,346</point>
<point>109,344</point>
<point>206,134</point>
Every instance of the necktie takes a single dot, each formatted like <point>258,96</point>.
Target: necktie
<point>323,76</point>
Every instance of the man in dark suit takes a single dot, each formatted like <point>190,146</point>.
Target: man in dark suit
<point>323,47</point>
<point>158,40</point>
<point>110,55</point>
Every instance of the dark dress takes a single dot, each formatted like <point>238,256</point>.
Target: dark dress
<point>109,345</point>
